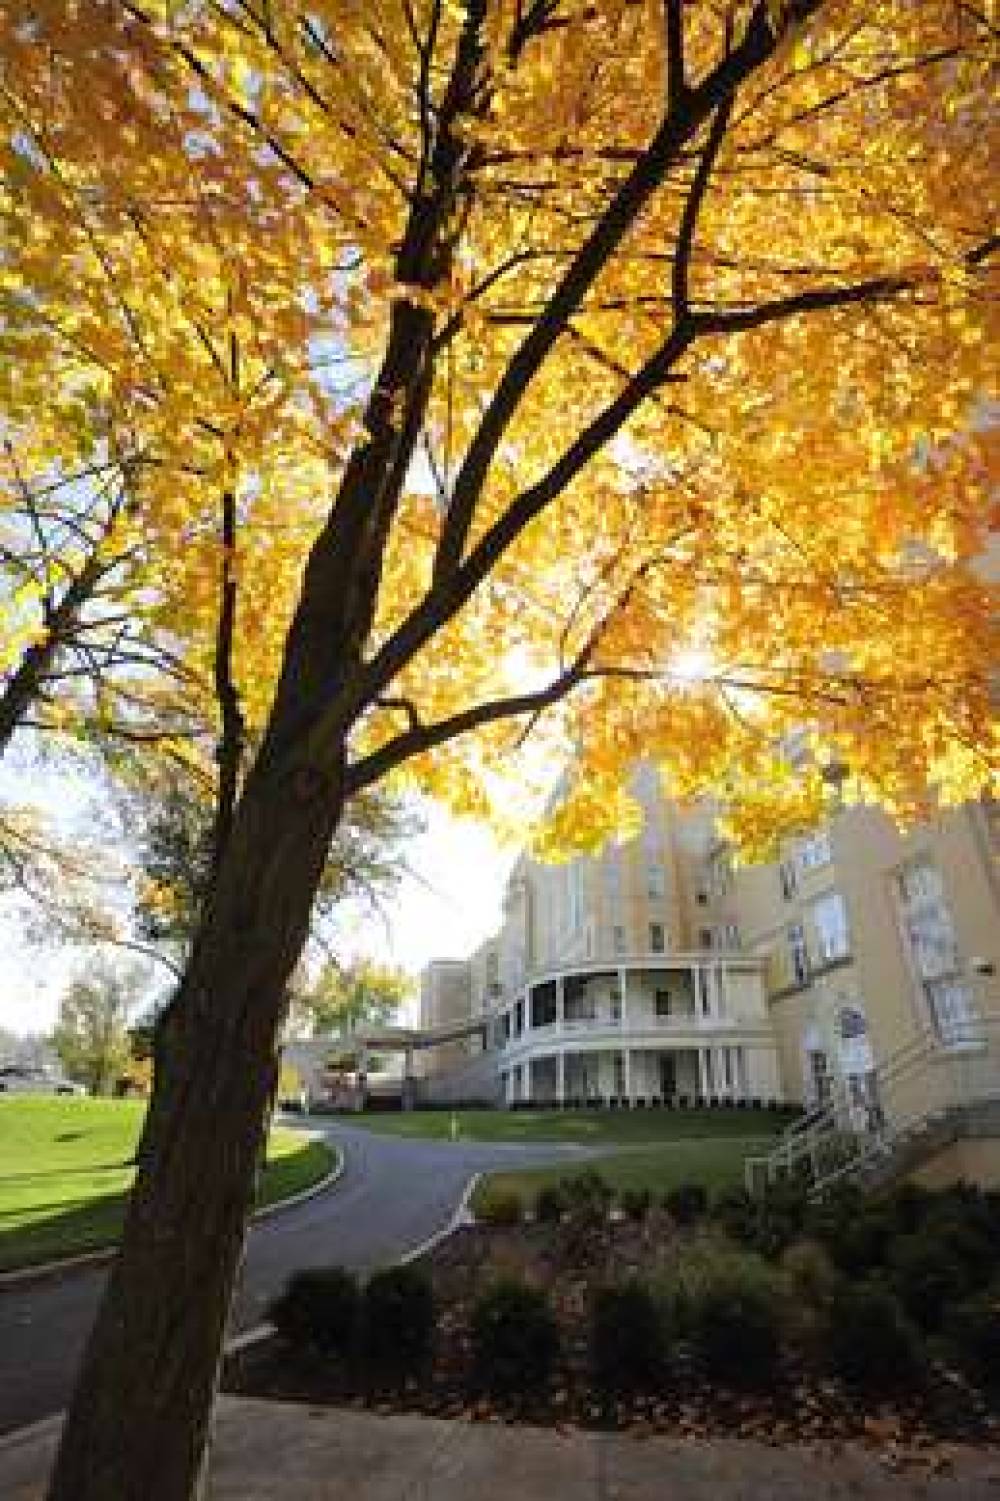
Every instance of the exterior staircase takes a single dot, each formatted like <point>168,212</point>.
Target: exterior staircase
<point>930,1094</point>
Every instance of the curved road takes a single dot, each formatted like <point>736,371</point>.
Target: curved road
<point>393,1195</point>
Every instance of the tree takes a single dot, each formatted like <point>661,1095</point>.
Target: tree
<point>651,335</point>
<point>361,994</point>
<point>91,1036</point>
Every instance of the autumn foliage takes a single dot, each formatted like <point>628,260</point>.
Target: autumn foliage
<point>758,419</point>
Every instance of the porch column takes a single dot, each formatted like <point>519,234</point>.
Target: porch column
<point>623,992</point>
<point>721,1074</point>
<point>560,1074</point>
<point>526,1080</point>
<point>627,1057</point>
<point>703,1073</point>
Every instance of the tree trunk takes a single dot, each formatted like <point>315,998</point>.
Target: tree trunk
<point>138,1425</point>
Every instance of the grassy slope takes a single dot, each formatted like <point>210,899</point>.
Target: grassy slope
<point>64,1172</point>
<point>625,1127</point>
<point>717,1162</point>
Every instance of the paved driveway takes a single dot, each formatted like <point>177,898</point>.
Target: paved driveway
<point>393,1195</point>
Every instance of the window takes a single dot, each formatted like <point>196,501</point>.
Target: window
<point>656,879</point>
<point>813,851</point>
<point>732,935</point>
<point>705,938</point>
<point>788,879</point>
<point>829,916</point>
<point>616,1004</point>
<point>657,938</point>
<point>662,1003</point>
<point>950,1002</point>
<point>798,953</point>
<point>618,938</point>
<point>933,947</point>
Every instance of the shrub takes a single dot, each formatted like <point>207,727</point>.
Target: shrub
<point>587,1190</point>
<point>812,1277</point>
<point>636,1202</point>
<point>398,1320</point>
<point>319,1308</point>
<point>515,1339</point>
<point>925,1276</point>
<point>869,1340</point>
<point>735,1211</point>
<point>686,1203</point>
<point>726,1304</point>
<point>550,1202</point>
<point>735,1326</point>
<point>972,1336</point>
<point>627,1339</point>
<point>500,1206</point>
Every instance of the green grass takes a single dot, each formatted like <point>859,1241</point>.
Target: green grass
<point>65,1172</point>
<point>717,1162</point>
<point>627,1127</point>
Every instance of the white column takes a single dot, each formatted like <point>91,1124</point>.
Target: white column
<point>702,1074</point>
<point>623,992</point>
<point>718,1073</point>
<point>526,1080</point>
<point>627,1055</point>
<point>561,1076</point>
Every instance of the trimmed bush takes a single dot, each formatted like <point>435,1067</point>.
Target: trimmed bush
<point>587,1191</point>
<point>735,1211</point>
<point>735,1324</point>
<point>636,1202</point>
<point>627,1340</point>
<point>972,1337</point>
<point>926,1275</point>
<point>550,1204</point>
<point>397,1321</point>
<point>687,1203</point>
<point>812,1277</point>
<point>869,1340</point>
<point>500,1207</point>
<point>515,1339</point>
<point>319,1308</point>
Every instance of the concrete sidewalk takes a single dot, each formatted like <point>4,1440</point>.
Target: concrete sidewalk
<point>266,1450</point>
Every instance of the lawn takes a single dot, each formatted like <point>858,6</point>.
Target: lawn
<point>625,1127</point>
<point>65,1170</point>
<point>716,1162</point>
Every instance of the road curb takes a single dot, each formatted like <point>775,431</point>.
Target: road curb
<point>30,1432</point>
<point>24,1275</point>
<point>461,1215</point>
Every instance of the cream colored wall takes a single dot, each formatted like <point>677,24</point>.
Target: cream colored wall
<point>976,1160</point>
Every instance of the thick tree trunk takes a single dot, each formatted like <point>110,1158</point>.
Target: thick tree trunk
<point>138,1426</point>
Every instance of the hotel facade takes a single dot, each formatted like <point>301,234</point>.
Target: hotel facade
<point>862,968</point>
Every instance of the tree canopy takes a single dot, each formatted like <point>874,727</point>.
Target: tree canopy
<point>697,307</point>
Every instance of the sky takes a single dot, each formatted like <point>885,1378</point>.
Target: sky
<point>444,908</point>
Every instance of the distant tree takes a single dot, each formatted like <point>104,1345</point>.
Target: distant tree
<point>91,1036</point>
<point>344,997</point>
<point>170,818</point>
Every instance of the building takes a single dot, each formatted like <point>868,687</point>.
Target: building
<point>860,970</point>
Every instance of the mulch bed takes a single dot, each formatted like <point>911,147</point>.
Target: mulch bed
<point>799,1405</point>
